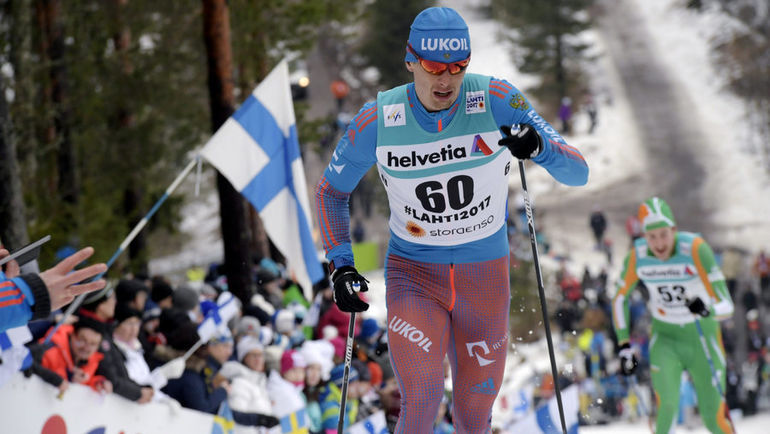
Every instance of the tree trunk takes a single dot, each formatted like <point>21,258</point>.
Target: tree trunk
<point>13,227</point>
<point>53,40</point>
<point>132,194</point>
<point>235,233</point>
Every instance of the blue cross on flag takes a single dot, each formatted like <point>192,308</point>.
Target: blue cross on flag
<point>216,319</point>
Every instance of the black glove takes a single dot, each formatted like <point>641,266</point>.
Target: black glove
<point>347,282</point>
<point>697,307</point>
<point>526,143</point>
<point>267,421</point>
<point>628,362</point>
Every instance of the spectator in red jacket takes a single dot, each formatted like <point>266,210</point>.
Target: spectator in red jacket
<point>74,357</point>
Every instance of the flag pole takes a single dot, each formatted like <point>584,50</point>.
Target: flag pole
<point>139,226</point>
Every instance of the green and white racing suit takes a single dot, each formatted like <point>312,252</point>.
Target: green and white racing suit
<point>675,344</point>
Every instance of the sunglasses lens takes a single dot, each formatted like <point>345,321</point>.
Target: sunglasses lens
<point>438,68</point>
<point>432,67</point>
<point>457,67</point>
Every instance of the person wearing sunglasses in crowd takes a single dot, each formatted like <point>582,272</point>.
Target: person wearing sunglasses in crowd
<point>441,145</point>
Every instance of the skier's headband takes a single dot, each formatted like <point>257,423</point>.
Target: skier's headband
<point>655,213</point>
<point>439,35</point>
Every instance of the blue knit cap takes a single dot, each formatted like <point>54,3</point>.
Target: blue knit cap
<point>441,35</point>
<point>338,374</point>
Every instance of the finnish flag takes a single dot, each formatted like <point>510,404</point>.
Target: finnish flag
<point>545,419</point>
<point>374,424</point>
<point>257,150</point>
<point>15,356</point>
<point>215,322</point>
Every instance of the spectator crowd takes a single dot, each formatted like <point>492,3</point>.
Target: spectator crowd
<point>131,338</point>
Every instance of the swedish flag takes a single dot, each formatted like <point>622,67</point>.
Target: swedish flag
<point>295,423</point>
<point>223,421</point>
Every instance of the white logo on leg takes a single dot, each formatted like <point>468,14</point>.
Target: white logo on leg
<point>483,344</point>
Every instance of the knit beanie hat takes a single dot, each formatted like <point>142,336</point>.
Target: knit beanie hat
<point>339,347</point>
<point>655,213</point>
<point>128,288</point>
<point>183,337</point>
<point>160,291</point>
<point>363,370</point>
<point>319,352</point>
<point>284,321</point>
<point>171,319</point>
<point>439,34</point>
<point>185,298</point>
<point>338,374</point>
<point>329,332</point>
<point>369,328</point>
<point>90,323</point>
<point>123,311</point>
<point>246,345</point>
<point>292,359</point>
<point>248,325</point>
<point>93,300</point>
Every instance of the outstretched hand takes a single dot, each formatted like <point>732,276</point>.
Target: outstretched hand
<point>63,283</point>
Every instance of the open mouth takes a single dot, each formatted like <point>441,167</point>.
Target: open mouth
<point>442,95</point>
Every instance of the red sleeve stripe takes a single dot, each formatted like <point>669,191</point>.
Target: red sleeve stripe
<point>11,293</point>
<point>12,302</point>
<point>360,118</point>
<point>369,121</point>
<point>492,92</point>
<point>501,83</point>
<point>6,284</point>
<point>498,87</point>
<point>328,237</point>
<point>569,149</point>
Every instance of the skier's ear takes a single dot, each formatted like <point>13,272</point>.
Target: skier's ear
<point>409,66</point>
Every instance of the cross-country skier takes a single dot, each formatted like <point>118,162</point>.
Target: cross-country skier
<point>435,143</point>
<point>685,285</point>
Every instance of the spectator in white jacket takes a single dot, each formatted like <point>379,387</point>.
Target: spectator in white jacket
<point>126,338</point>
<point>248,382</point>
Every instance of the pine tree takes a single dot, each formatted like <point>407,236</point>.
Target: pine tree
<point>546,43</point>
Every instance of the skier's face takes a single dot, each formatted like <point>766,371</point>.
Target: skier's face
<point>435,92</point>
<point>661,242</point>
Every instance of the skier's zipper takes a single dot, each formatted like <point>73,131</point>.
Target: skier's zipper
<point>452,285</point>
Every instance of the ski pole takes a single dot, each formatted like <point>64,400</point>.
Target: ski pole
<point>635,386</point>
<point>541,293</point>
<point>632,380</point>
<point>346,372</point>
<point>714,377</point>
<point>139,226</point>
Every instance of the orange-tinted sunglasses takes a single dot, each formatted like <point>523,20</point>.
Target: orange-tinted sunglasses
<point>438,68</point>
